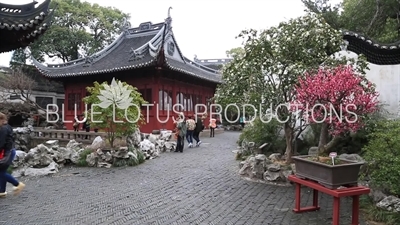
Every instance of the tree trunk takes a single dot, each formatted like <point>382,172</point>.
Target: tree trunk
<point>289,142</point>
<point>295,144</point>
<point>324,146</point>
<point>323,139</point>
<point>332,143</point>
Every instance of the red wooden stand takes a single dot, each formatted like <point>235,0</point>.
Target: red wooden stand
<point>354,192</point>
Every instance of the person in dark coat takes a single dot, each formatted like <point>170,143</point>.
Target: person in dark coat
<point>199,128</point>
<point>180,133</point>
<point>7,149</point>
<point>86,126</point>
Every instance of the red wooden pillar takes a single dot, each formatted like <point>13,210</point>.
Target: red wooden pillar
<point>153,109</point>
<point>355,209</point>
<point>156,100</point>
<point>336,211</point>
<point>174,102</point>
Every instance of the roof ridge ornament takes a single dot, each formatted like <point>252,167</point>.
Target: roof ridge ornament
<point>169,12</point>
<point>125,25</point>
<point>134,55</point>
<point>88,61</point>
<point>168,21</point>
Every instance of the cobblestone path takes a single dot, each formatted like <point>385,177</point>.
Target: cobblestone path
<point>198,186</point>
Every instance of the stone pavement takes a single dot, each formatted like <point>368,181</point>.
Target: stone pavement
<point>198,186</point>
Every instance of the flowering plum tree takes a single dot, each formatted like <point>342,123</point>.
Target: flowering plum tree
<point>337,97</point>
<point>272,62</point>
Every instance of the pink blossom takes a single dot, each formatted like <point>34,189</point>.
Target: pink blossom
<point>336,90</point>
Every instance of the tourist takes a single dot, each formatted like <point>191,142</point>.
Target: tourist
<point>86,126</point>
<point>7,154</point>
<point>199,128</point>
<point>76,124</point>
<point>212,125</point>
<point>191,125</point>
<point>241,121</point>
<point>180,133</point>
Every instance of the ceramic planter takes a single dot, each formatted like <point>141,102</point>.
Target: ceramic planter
<point>330,176</point>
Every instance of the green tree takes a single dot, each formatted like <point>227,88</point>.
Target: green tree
<point>78,27</point>
<point>231,87</point>
<point>114,108</point>
<point>378,20</point>
<point>18,58</point>
<point>272,63</point>
<point>331,13</point>
<point>235,52</point>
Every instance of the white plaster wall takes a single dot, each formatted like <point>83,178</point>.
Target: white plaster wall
<point>387,80</point>
<point>176,54</point>
<point>33,96</point>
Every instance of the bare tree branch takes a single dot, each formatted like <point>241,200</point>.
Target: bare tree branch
<point>17,83</point>
<point>377,12</point>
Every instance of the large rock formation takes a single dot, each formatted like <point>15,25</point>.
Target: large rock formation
<point>22,136</point>
<point>46,158</point>
<point>263,168</point>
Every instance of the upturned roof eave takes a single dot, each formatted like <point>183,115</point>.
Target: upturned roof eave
<point>43,7</point>
<point>390,46</point>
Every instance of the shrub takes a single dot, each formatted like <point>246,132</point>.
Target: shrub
<point>262,132</point>
<point>82,158</point>
<point>383,156</point>
<point>140,156</point>
<point>372,212</point>
<point>355,142</point>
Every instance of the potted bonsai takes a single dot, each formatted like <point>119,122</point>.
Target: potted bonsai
<point>338,99</point>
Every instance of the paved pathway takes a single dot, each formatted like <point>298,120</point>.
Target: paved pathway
<point>198,186</point>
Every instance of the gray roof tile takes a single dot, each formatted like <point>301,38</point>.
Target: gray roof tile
<point>196,70</point>
<point>115,59</point>
<point>376,53</point>
<point>20,25</point>
<point>118,56</point>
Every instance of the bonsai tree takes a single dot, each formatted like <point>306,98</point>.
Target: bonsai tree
<point>114,108</point>
<point>337,97</point>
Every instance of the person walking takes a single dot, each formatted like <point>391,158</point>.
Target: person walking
<point>180,133</point>
<point>7,155</point>
<point>241,121</point>
<point>199,128</point>
<point>191,125</point>
<point>212,125</point>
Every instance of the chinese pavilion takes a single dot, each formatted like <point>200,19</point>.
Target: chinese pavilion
<point>149,58</point>
<point>20,25</point>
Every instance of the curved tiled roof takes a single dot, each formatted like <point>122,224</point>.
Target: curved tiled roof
<point>116,57</point>
<point>376,53</point>
<point>194,69</point>
<point>134,48</point>
<point>20,25</point>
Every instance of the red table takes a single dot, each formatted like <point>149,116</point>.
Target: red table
<point>354,192</point>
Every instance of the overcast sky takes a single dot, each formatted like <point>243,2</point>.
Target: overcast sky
<point>205,28</point>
